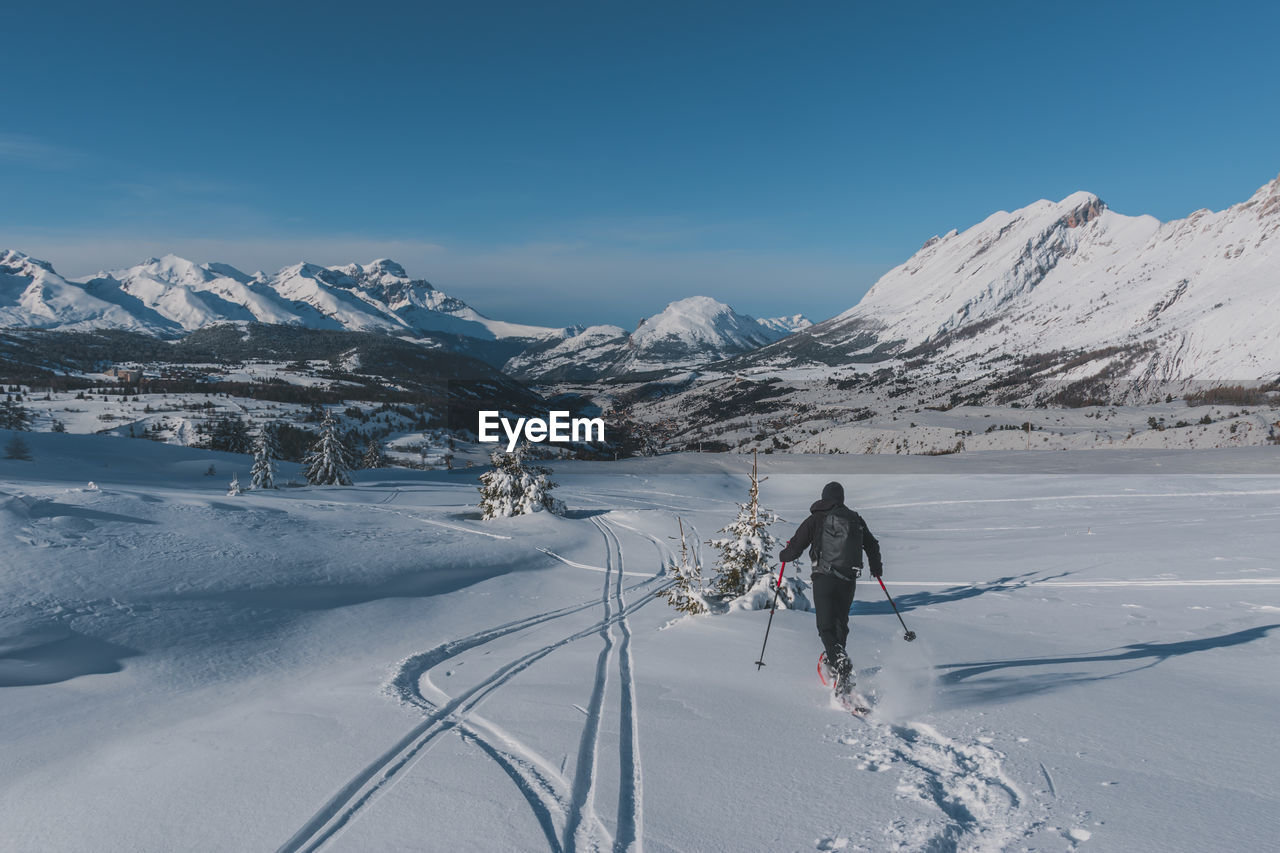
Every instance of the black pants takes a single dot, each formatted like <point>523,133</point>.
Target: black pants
<point>832,599</point>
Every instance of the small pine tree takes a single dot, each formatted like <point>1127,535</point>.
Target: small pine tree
<point>265,453</point>
<point>374,455</point>
<point>685,592</point>
<point>234,489</point>
<point>329,462</point>
<point>17,448</point>
<point>746,553</point>
<point>512,488</point>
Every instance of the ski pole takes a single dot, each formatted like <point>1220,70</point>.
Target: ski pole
<point>776,590</point>
<point>910,635</point>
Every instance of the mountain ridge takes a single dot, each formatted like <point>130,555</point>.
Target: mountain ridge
<point>687,333</point>
<point>1185,299</point>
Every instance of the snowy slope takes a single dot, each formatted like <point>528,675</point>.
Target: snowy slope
<point>686,333</point>
<point>1192,298</point>
<point>373,668</point>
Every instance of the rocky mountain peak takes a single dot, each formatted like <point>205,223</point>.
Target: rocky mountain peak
<point>1083,208</point>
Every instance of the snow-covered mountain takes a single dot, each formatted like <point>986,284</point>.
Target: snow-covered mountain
<point>687,333</point>
<point>171,295</point>
<point>787,325</point>
<point>1079,291</point>
<point>32,294</point>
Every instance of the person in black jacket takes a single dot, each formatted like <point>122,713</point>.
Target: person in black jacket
<point>836,537</point>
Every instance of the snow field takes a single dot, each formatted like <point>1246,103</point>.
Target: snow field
<point>375,668</point>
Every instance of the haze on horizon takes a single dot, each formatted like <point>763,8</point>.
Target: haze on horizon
<point>577,163</point>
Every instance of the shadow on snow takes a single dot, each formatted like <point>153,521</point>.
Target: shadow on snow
<point>911,601</point>
<point>54,654</point>
<point>965,683</point>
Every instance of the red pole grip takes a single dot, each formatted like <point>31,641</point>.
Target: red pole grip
<point>782,569</point>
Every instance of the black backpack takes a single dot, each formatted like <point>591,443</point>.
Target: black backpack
<point>840,543</point>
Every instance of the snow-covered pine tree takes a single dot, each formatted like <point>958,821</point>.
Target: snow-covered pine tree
<point>13,416</point>
<point>512,488</point>
<point>328,463</point>
<point>266,451</point>
<point>16,448</point>
<point>746,553</point>
<point>234,489</point>
<point>374,456</point>
<point>685,592</point>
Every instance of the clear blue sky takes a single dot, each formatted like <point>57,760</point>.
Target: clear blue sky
<point>585,162</point>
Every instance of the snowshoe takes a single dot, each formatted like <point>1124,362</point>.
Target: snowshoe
<point>832,675</point>
<point>844,676</point>
<point>825,673</point>
<point>850,700</point>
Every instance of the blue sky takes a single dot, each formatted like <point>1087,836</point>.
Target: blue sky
<point>588,162</point>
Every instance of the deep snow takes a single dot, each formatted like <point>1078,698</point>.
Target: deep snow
<point>375,668</point>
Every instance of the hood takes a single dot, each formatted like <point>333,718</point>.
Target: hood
<point>832,495</point>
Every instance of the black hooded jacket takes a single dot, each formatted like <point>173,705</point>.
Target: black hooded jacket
<point>806,535</point>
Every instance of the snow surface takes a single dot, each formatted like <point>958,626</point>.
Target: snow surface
<point>373,668</point>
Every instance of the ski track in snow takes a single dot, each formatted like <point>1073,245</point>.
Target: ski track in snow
<point>1110,495</point>
<point>1098,583</point>
<point>589,568</point>
<point>584,830</point>
<point>630,798</point>
<point>637,503</point>
<point>565,813</point>
<point>381,506</point>
<point>445,524</point>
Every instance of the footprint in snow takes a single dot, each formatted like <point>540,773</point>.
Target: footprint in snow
<point>974,804</point>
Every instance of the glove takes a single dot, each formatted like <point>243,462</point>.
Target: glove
<point>877,572</point>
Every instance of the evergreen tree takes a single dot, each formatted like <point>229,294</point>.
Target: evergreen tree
<point>229,434</point>
<point>265,453</point>
<point>512,488</point>
<point>17,448</point>
<point>685,592</point>
<point>746,553</point>
<point>234,489</point>
<point>14,416</point>
<point>374,455</point>
<point>329,462</point>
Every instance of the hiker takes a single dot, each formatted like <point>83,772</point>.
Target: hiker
<point>836,537</point>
